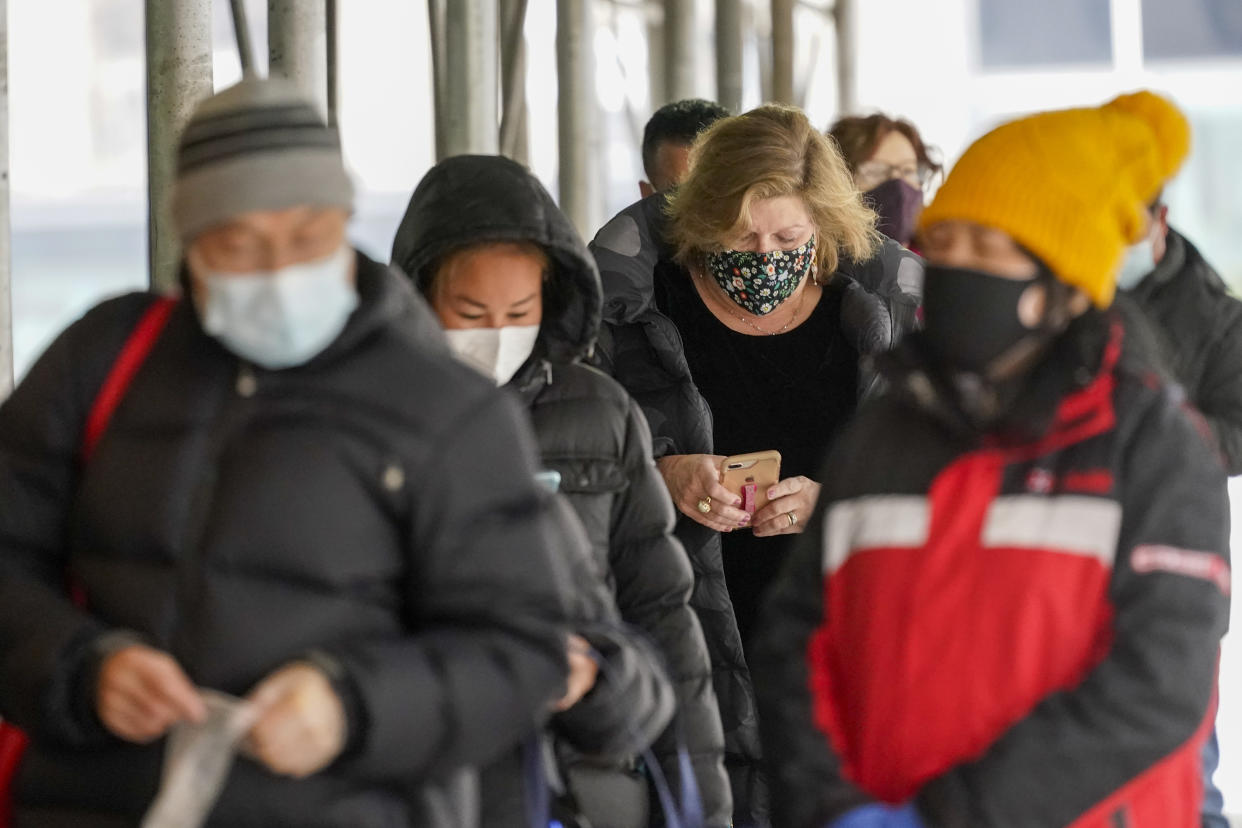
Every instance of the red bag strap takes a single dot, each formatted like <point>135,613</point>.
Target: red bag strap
<point>133,353</point>
<point>139,344</point>
<point>12,746</point>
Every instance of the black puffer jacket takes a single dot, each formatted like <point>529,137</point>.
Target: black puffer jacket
<point>588,429</point>
<point>641,347</point>
<point>1198,336</point>
<point>376,505</point>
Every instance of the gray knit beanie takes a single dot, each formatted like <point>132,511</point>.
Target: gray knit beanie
<point>259,145</point>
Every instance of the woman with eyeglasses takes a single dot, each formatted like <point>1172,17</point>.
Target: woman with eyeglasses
<point>891,166</point>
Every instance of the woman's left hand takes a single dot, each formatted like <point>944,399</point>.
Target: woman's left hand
<point>789,507</point>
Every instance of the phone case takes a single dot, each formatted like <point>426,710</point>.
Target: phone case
<point>751,475</point>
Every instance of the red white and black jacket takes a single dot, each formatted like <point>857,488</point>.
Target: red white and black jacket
<point>1011,632</point>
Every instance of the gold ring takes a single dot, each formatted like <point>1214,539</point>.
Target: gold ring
<point>793,518</point>
<point>705,505</point>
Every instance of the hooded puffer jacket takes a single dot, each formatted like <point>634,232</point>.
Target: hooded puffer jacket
<point>1198,336</point>
<point>642,348</point>
<point>375,508</point>
<point>589,430</point>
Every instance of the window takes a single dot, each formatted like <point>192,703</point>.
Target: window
<point>1019,33</point>
<point>1180,29</point>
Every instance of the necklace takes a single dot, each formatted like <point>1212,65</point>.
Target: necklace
<point>796,313</point>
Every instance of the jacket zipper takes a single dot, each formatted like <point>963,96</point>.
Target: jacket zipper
<point>191,577</point>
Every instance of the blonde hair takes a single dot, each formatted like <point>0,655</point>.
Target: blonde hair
<point>768,152</point>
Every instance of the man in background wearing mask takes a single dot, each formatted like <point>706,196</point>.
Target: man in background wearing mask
<point>1197,323</point>
<point>667,138</point>
<point>302,499</point>
<point>1194,328</point>
<point>1007,609</point>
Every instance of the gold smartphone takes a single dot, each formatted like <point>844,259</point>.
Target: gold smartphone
<point>751,475</point>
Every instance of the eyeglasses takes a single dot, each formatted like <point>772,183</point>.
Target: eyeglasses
<point>872,174</point>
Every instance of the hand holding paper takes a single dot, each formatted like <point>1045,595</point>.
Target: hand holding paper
<point>301,725</point>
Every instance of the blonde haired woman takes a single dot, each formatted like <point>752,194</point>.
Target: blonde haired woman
<point>737,318</point>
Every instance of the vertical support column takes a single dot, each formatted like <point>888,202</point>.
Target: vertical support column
<point>729,46</point>
<point>334,59</point>
<point>178,42</point>
<point>241,33</point>
<point>6,283</point>
<point>297,45</point>
<point>514,133</point>
<point>783,51</point>
<point>847,56</point>
<point>575,83</point>
<point>679,75</point>
<point>657,85</point>
<point>436,27</point>
<point>470,84</point>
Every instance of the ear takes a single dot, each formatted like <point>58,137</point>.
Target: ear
<point>1159,233</point>
<point>197,273</point>
<point>646,189</point>
<point>1162,220</point>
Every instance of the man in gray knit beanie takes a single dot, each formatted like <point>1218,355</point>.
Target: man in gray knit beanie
<point>256,146</point>
<point>261,203</point>
<point>303,500</point>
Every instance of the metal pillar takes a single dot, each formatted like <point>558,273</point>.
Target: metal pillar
<point>439,71</point>
<point>178,42</point>
<point>847,56</point>
<point>241,33</point>
<point>679,50</point>
<point>657,88</point>
<point>470,61</point>
<point>6,285</point>
<point>783,51</point>
<point>297,44</point>
<point>333,49</point>
<point>575,83</point>
<point>514,133</point>
<point>729,54</point>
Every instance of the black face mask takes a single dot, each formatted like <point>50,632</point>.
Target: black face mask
<point>971,317</point>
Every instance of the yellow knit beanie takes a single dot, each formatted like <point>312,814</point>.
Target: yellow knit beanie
<point>1070,186</point>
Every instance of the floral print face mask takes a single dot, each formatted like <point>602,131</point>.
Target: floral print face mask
<point>758,282</point>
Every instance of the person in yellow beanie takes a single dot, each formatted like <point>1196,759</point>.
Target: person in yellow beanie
<point>1007,608</point>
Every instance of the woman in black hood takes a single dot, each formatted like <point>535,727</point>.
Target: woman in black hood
<point>520,297</point>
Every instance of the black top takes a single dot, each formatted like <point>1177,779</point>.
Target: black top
<point>788,392</point>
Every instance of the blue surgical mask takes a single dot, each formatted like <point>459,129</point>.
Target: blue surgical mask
<point>1139,261</point>
<point>282,318</point>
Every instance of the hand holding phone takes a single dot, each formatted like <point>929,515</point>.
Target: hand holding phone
<point>750,476</point>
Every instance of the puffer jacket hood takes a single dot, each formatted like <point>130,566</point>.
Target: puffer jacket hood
<point>469,199</point>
